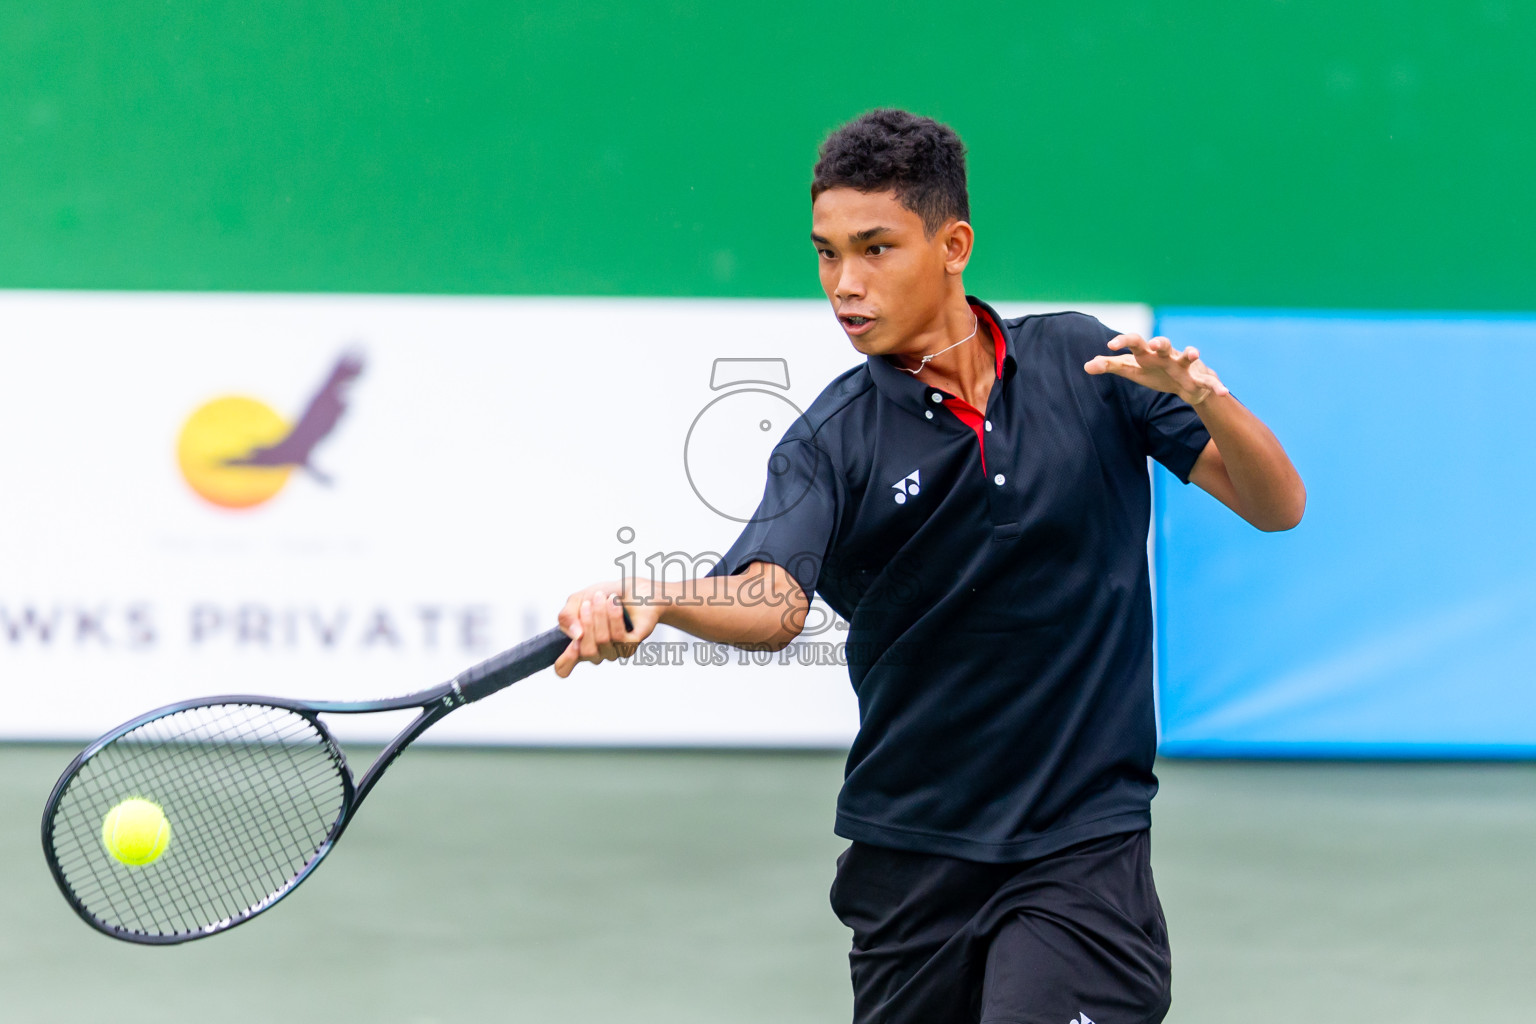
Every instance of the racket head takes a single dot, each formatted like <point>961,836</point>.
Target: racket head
<point>256,793</point>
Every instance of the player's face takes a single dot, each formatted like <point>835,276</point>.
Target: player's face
<point>886,277</point>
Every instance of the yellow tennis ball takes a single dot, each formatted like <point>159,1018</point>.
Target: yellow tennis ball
<point>136,831</point>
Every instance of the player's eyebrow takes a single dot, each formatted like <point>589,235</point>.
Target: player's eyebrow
<point>856,237</point>
<point>868,233</point>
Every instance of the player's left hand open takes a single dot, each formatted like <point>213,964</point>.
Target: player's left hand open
<point>1156,364</point>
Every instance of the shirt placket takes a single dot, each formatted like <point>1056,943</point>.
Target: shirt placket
<point>1000,443</point>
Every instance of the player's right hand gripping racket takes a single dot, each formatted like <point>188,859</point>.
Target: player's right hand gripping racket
<point>255,790</point>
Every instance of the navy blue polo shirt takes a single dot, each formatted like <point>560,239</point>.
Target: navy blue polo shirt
<point>992,567</point>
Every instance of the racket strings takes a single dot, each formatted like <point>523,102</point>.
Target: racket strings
<point>254,821</point>
<point>251,760</point>
<point>252,793</point>
<point>269,840</point>
<point>115,779</point>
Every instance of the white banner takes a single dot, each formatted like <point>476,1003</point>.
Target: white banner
<point>351,497</point>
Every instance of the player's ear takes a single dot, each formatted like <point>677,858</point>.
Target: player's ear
<point>956,237</point>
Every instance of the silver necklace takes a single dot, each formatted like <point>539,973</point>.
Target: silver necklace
<point>974,328</point>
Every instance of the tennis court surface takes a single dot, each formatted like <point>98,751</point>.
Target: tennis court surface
<point>587,886</point>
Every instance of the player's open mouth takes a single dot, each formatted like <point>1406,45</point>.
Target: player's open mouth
<point>856,324</point>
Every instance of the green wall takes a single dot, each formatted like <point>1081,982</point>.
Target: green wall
<point>1250,152</point>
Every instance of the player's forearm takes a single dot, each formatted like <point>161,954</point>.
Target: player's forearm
<point>761,607</point>
<point>1266,488</point>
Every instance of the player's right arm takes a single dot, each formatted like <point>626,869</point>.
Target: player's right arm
<point>762,607</point>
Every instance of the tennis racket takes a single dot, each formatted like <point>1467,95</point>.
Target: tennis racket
<point>256,792</point>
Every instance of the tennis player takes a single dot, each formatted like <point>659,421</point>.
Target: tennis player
<point>973,499</point>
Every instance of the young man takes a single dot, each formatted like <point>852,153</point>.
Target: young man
<point>974,501</point>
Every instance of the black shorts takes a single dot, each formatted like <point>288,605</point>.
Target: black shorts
<point>1077,935</point>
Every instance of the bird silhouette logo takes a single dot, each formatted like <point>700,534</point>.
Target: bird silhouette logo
<point>237,452</point>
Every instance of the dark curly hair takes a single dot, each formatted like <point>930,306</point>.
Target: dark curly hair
<point>918,158</point>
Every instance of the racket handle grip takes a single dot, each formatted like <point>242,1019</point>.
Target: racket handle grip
<point>500,671</point>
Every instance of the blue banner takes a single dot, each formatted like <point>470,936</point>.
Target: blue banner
<point>1396,620</point>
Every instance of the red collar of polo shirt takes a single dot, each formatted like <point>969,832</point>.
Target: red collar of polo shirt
<point>964,411</point>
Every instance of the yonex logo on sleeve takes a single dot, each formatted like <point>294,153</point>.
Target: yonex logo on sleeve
<point>909,484</point>
<point>1081,1018</point>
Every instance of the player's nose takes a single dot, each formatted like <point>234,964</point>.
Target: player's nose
<point>850,285</point>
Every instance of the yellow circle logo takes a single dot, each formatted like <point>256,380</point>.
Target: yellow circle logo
<point>215,448</point>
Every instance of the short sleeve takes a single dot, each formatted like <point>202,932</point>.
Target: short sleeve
<point>1170,429</point>
<point>793,524</point>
